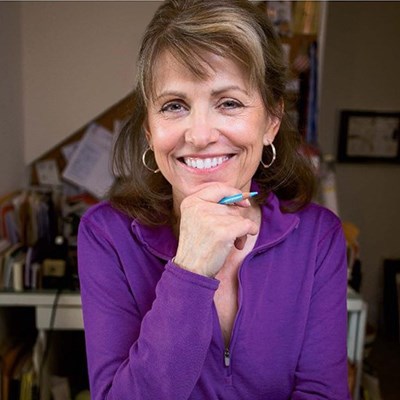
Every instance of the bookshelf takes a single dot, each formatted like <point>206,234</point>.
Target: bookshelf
<point>301,28</point>
<point>58,325</point>
<point>32,311</point>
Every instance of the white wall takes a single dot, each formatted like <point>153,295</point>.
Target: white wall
<point>362,72</point>
<point>11,112</point>
<point>78,60</point>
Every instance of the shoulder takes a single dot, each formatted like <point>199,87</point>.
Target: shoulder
<point>318,212</point>
<point>104,217</point>
<point>319,220</point>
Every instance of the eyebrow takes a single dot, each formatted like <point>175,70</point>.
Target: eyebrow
<point>174,93</point>
<point>171,93</point>
<point>227,88</point>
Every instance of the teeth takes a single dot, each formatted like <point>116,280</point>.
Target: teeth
<point>204,163</point>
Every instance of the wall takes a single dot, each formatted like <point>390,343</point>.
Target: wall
<point>11,140</point>
<point>11,112</point>
<point>361,72</point>
<point>78,60</point>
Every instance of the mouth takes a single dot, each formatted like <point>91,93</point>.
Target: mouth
<point>205,163</point>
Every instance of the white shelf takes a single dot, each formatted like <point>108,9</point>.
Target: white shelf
<point>39,298</point>
<point>356,323</point>
<point>354,300</point>
<point>68,315</point>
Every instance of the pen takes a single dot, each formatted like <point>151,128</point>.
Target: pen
<point>237,197</point>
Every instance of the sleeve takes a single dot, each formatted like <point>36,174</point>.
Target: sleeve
<point>322,367</point>
<point>130,356</point>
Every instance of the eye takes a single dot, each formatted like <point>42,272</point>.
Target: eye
<point>230,104</point>
<point>173,106</point>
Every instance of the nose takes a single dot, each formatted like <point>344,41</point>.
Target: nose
<point>201,130</point>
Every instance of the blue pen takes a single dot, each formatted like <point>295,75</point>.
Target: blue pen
<point>237,197</point>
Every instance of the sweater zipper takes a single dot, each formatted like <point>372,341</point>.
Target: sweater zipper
<point>227,350</point>
<point>227,357</point>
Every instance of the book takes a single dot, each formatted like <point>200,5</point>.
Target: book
<point>4,245</point>
<point>18,273</point>
<point>5,205</point>
<point>3,253</point>
<point>14,253</point>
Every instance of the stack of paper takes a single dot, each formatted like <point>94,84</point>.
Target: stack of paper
<point>89,165</point>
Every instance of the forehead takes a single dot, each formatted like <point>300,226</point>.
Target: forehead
<point>167,71</point>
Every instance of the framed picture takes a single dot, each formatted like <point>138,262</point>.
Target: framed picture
<point>367,136</point>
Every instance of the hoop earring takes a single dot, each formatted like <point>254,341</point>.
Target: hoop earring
<point>154,171</point>
<point>273,157</point>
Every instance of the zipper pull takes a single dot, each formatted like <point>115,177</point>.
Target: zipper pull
<point>227,358</point>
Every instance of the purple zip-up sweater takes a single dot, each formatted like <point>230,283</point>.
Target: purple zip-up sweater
<point>152,330</point>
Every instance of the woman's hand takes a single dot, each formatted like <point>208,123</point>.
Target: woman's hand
<point>209,231</point>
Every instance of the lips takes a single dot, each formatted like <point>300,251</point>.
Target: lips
<point>205,163</point>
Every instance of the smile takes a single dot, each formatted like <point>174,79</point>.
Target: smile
<point>205,163</point>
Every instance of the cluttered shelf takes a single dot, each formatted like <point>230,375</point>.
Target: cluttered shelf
<point>40,306</point>
<point>36,323</point>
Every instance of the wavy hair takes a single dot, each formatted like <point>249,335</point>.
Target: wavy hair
<point>234,29</point>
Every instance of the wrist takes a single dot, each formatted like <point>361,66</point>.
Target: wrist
<point>183,265</point>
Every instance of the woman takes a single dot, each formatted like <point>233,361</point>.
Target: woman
<point>187,298</point>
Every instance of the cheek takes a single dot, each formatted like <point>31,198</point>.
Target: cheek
<point>160,139</point>
<point>256,135</point>
<point>162,143</point>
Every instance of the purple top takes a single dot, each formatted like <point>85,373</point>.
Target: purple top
<point>152,330</point>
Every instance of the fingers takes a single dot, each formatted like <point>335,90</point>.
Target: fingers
<point>240,242</point>
<point>214,192</point>
<point>209,230</point>
<point>243,203</point>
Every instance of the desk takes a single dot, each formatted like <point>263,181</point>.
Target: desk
<point>69,317</point>
<point>68,314</point>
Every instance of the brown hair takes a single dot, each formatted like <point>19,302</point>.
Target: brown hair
<point>234,29</point>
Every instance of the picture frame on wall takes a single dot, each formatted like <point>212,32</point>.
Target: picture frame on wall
<point>369,136</point>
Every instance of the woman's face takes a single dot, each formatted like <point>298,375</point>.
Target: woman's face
<point>210,130</point>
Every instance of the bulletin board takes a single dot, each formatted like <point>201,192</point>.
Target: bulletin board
<point>119,111</point>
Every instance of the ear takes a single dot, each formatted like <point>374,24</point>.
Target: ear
<point>147,132</point>
<point>273,124</point>
<point>272,129</point>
